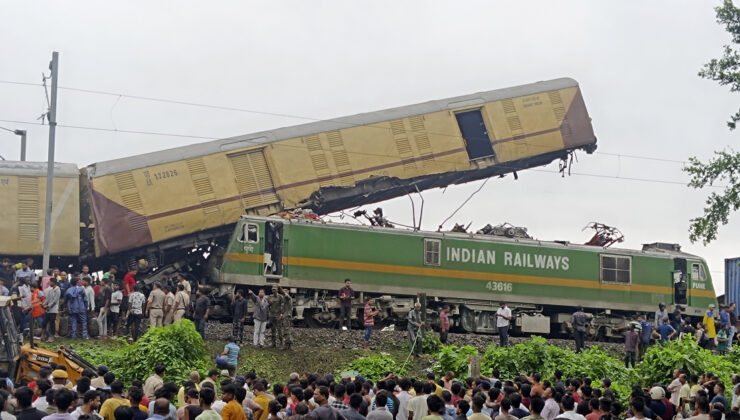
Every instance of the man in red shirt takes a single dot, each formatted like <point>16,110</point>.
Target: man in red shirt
<point>368,315</point>
<point>129,281</point>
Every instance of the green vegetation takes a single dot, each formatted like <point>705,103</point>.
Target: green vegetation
<point>725,165</point>
<point>178,347</point>
<point>373,367</point>
<point>536,355</point>
<point>453,358</point>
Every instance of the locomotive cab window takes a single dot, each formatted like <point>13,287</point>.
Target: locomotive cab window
<point>431,251</point>
<point>250,233</point>
<point>616,269</point>
<point>698,273</point>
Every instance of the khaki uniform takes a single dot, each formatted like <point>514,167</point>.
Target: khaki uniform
<point>276,311</point>
<point>169,302</point>
<point>287,320</point>
<point>156,310</point>
<point>182,302</point>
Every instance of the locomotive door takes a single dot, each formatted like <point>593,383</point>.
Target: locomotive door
<point>679,281</point>
<point>273,257</point>
<point>475,133</point>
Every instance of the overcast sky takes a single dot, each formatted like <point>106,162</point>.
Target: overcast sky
<point>636,62</point>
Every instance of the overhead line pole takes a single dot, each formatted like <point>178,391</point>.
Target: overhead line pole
<point>22,133</point>
<point>52,116</point>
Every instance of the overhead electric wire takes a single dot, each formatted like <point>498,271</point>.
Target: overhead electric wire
<point>113,130</point>
<point>276,114</point>
<point>359,153</point>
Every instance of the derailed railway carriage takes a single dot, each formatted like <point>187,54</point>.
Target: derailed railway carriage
<point>541,281</point>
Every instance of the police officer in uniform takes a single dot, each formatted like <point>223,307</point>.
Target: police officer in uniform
<point>287,317</point>
<point>276,316</point>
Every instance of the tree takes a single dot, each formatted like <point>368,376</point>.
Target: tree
<point>725,166</point>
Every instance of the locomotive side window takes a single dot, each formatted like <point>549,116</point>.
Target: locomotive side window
<point>250,233</point>
<point>431,251</point>
<point>616,269</point>
<point>698,273</point>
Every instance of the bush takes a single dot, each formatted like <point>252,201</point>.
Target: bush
<point>455,359</point>
<point>534,355</point>
<point>430,343</point>
<point>373,367</point>
<point>178,347</point>
<point>660,360</point>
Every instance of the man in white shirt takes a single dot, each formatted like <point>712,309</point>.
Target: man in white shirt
<point>503,317</point>
<point>403,399</point>
<point>90,292</point>
<point>569,409</point>
<point>675,387</point>
<point>552,409</point>
<point>115,308</point>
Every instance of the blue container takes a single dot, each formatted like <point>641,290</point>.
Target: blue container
<point>732,282</point>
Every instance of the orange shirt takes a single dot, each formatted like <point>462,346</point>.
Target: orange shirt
<point>233,411</point>
<point>36,299</point>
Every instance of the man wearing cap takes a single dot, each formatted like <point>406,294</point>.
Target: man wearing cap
<point>59,379</point>
<point>660,313</point>
<point>676,320</point>
<point>155,306</point>
<point>710,330</point>
<point>656,401</point>
<point>276,316</point>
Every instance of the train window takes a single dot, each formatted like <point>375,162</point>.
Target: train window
<point>616,269</point>
<point>250,233</point>
<point>431,251</point>
<point>698,273</point>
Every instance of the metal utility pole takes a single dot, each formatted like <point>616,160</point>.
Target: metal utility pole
<point>21,133</point>
<point>52,115</point>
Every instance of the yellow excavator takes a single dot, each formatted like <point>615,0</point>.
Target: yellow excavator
<point>23,361</point>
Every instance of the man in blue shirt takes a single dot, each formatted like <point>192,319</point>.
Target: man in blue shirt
<point>231,351</point>
<point>664,331</point>
<point>647,331</point>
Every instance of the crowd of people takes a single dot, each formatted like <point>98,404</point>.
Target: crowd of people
<point>308,396</point>
<point>117,305</point>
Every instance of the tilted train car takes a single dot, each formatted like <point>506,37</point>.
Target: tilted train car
<point>541,281</point>
<point>23,194</point>
<point>185,197</point>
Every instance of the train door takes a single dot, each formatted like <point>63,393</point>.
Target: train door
<point>475,133</point>
<point>273,249</point>
<point>680,283</point>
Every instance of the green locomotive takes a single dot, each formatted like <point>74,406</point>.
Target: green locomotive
<point>541,281</point>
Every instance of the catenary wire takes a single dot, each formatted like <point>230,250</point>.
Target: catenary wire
<point>276,114</point>
<point>360,153</point>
